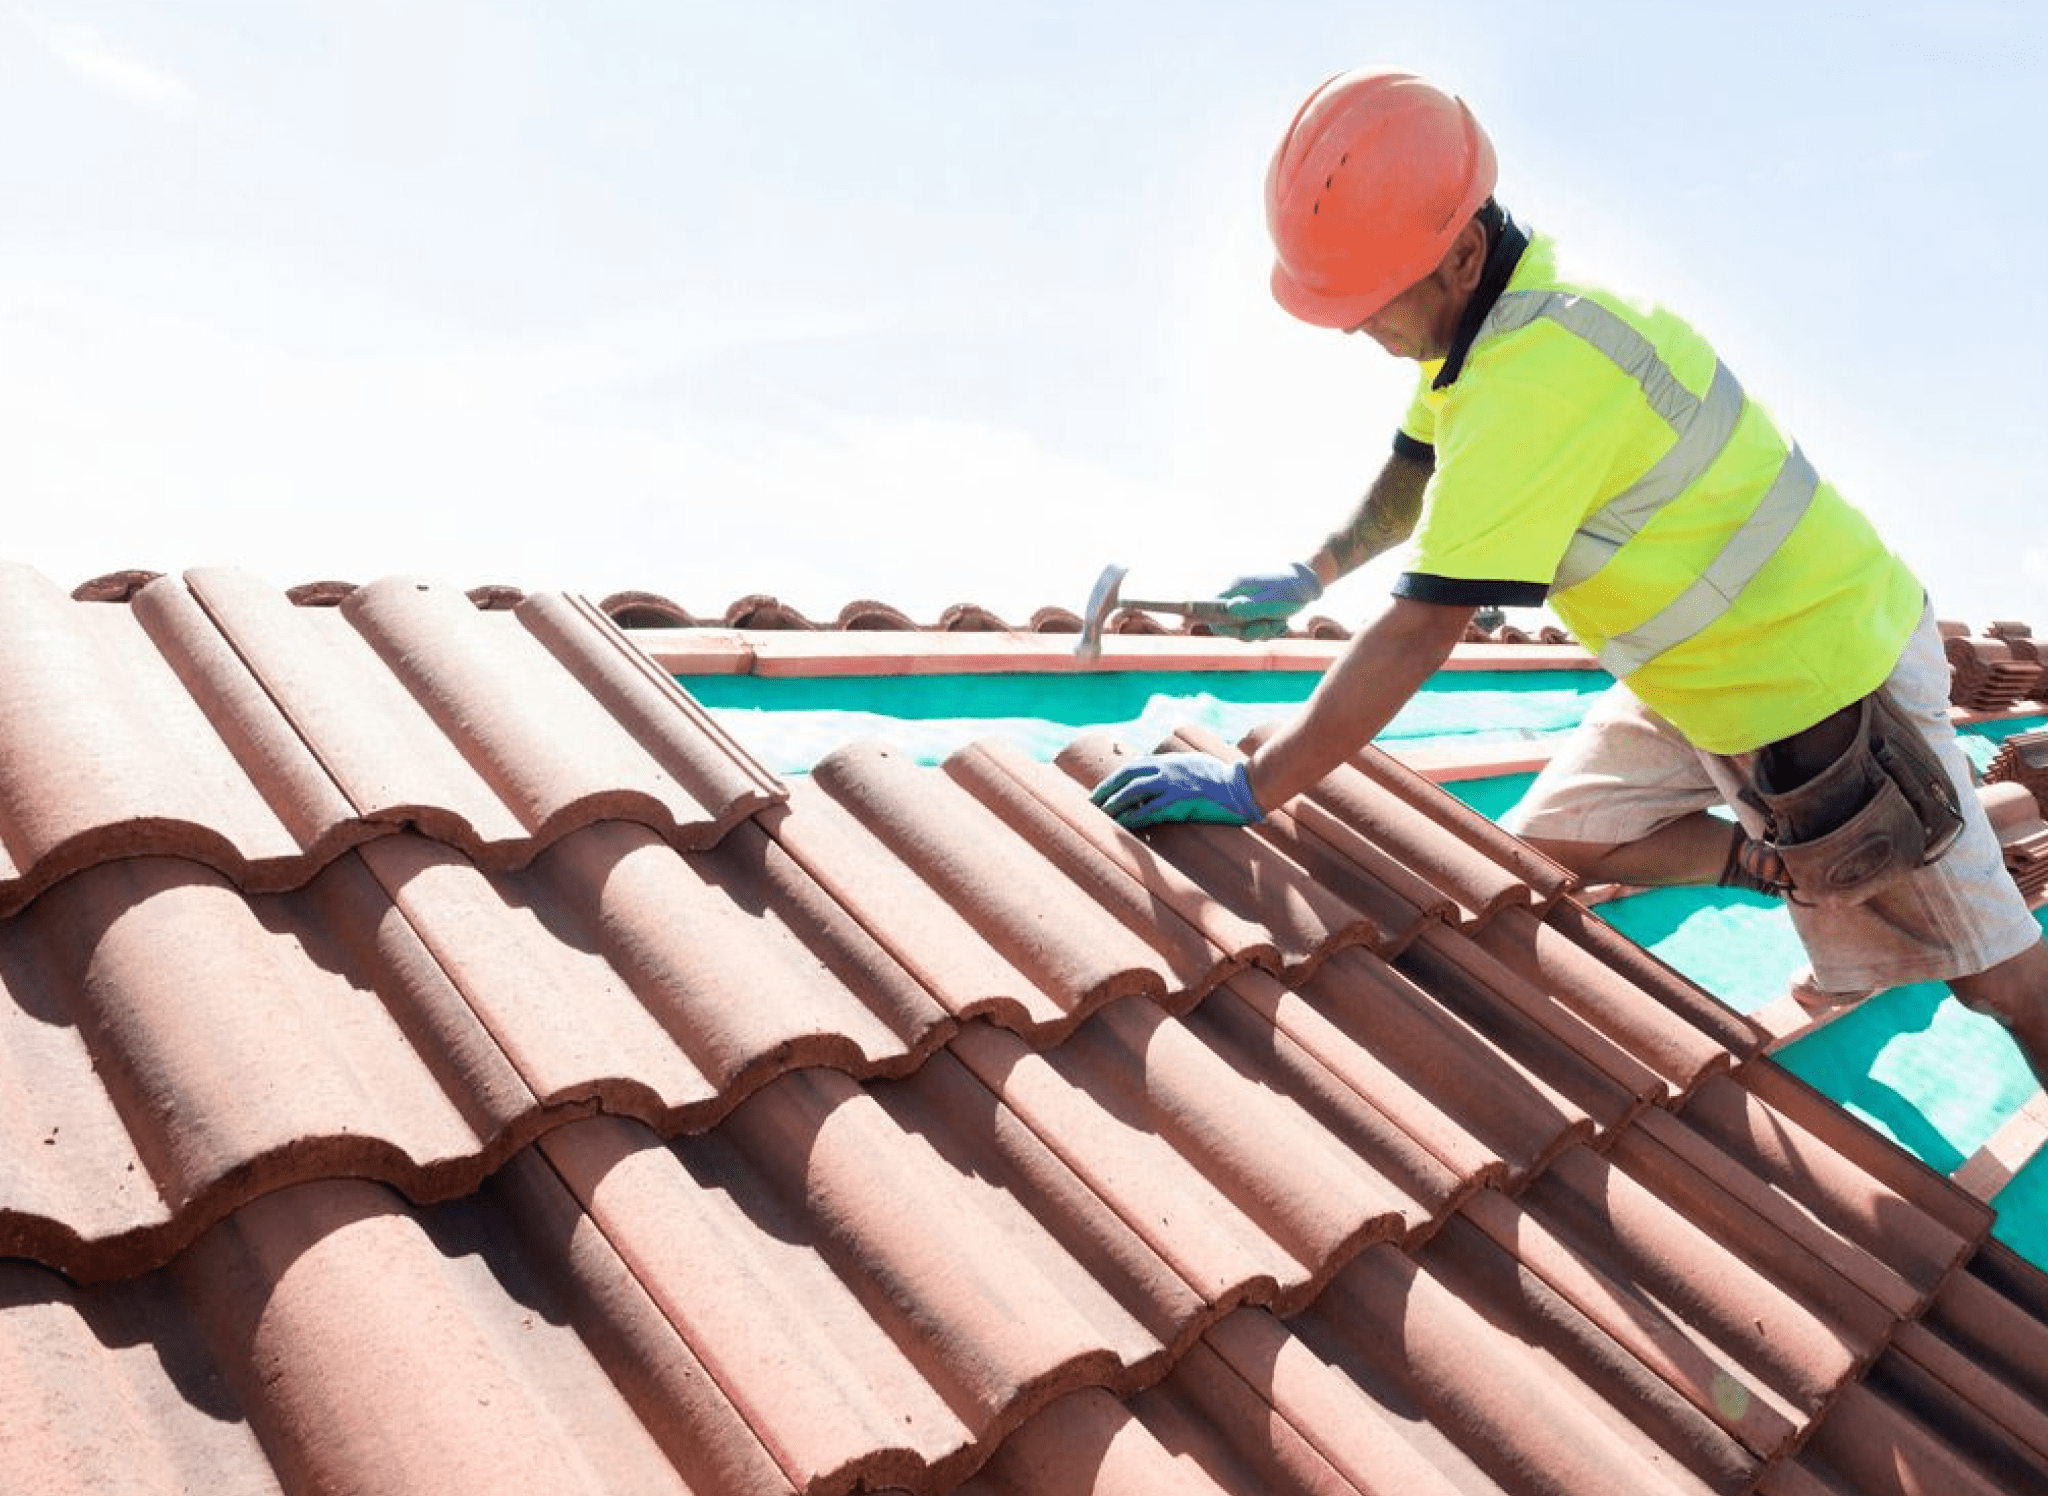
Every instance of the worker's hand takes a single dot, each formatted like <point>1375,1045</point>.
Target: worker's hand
<point>1262,603</point>
<point>1178,787</point>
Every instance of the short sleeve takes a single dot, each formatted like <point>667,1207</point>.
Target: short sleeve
<point>1418,426</point>
<point>1525,450</point>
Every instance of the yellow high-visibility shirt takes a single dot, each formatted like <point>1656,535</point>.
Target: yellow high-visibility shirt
<point>1594,452</point>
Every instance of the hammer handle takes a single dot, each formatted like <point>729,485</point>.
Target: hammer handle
<point>1204,609</point>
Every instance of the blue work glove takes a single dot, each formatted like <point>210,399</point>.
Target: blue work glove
<point>1262,603</point>
<point>1178,787</point>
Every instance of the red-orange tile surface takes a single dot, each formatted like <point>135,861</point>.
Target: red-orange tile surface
<point>437,1059</point>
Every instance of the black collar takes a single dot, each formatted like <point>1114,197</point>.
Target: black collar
<point>1493,279</point>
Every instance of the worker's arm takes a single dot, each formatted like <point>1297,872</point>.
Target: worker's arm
<point>1382,667</point>
<point>1385,664</point>
<point>1386,516</point>
<point>1262,603</point>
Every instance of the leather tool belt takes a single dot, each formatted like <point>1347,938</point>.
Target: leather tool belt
<point>1868,814</point>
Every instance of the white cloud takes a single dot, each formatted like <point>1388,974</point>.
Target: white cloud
<point>104,65</point>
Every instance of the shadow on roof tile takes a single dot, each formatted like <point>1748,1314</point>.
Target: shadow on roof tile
<point>908,1128</point>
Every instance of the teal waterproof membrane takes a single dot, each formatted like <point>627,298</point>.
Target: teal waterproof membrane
<point>1913,1063</point>
<point>790,722</point>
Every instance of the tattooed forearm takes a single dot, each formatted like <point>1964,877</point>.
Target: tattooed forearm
<point>1386,516</point>
<point>1372,530</point>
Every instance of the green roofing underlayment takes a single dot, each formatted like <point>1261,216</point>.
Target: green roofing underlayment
<point>1918,1066</point>
<point>790,722</point>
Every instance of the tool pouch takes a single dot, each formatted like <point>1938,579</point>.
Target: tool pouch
<point>1882,808</point>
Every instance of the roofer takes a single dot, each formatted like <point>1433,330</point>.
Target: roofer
<point>1570,446</point>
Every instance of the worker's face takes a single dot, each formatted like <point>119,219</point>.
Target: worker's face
<point>1423,320</point>
<point>1419,323</point>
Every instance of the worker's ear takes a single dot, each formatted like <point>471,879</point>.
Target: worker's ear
<point>1466,261</point>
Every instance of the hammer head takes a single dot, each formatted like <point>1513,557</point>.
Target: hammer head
<point>1102,602</point>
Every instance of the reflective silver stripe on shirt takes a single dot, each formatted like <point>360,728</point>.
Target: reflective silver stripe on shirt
<point>1747,552</point>
<point>1702,431</point>
<point>1703,427</point>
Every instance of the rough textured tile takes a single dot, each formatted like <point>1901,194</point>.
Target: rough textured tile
<point>1305,905</point>
<point>1448,1081</point>
<point>1040,1212</point>
<point>1092,1445</point>
<point>1735,1033</point>
<point>1195,1183</point>
<point>426,710</point>
<point>1254,1040</point>
<point>1611,1316</point>
<point>70,1172</point>
<point>240,1044</point>
<point>1858,1184</point>
<point>1939,1386</point>
<point>374,1349</point>
<point>1871,1447</point>
<point>662,961</point>
<point>1195,930</point>
<point>1424,828</point>
<point>114,1391</point>
<point>1478,1399</point>
<point>1996,1313</point>
<point>1662,1035</point>
<point>1338,884</point>
<point>110,751</point>
<point>1609,1217</point>
<point>213,719</point>
<point>1320,1419</point>
<point>1722,1192</point>
<point>794,1310</point>
<point>980,915</point>
<point>1635,1401</point>
<point>1545,1037</point>
<point>1484,867</point>
<point>959,1140</point>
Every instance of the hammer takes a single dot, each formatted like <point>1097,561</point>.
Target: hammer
<point>1104,600</point>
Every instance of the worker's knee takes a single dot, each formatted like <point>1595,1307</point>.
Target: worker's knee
<point>2012,986</point>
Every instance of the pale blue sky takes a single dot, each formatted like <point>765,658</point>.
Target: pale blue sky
<point>934,300</point>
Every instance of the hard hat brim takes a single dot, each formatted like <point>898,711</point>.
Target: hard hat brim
<point>1341,312</point>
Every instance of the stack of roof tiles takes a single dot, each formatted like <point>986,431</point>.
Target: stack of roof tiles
<point>2016,793</point>
<point>2020,638</point>
<point>2022,836</point>
<point>439,1060</point>
<point>2022,759</point>
<point>1994,671</point>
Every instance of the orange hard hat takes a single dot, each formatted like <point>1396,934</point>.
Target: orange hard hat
<point>1373,180</point>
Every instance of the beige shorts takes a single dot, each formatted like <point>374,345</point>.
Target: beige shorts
<point>1626,771</point>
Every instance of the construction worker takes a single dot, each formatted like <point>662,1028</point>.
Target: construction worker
<point>1569,446</point>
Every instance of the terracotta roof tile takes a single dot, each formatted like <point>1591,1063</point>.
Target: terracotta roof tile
<point>463,1069</point>
<point>213,720</point>
<point>1990,674</point>
<point>1297,891</point>
<point>1421,829</point>
<point>1463,1092</point>
<point>2022,759</point>
<point>2013,803</point>
<point>867,614</point>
